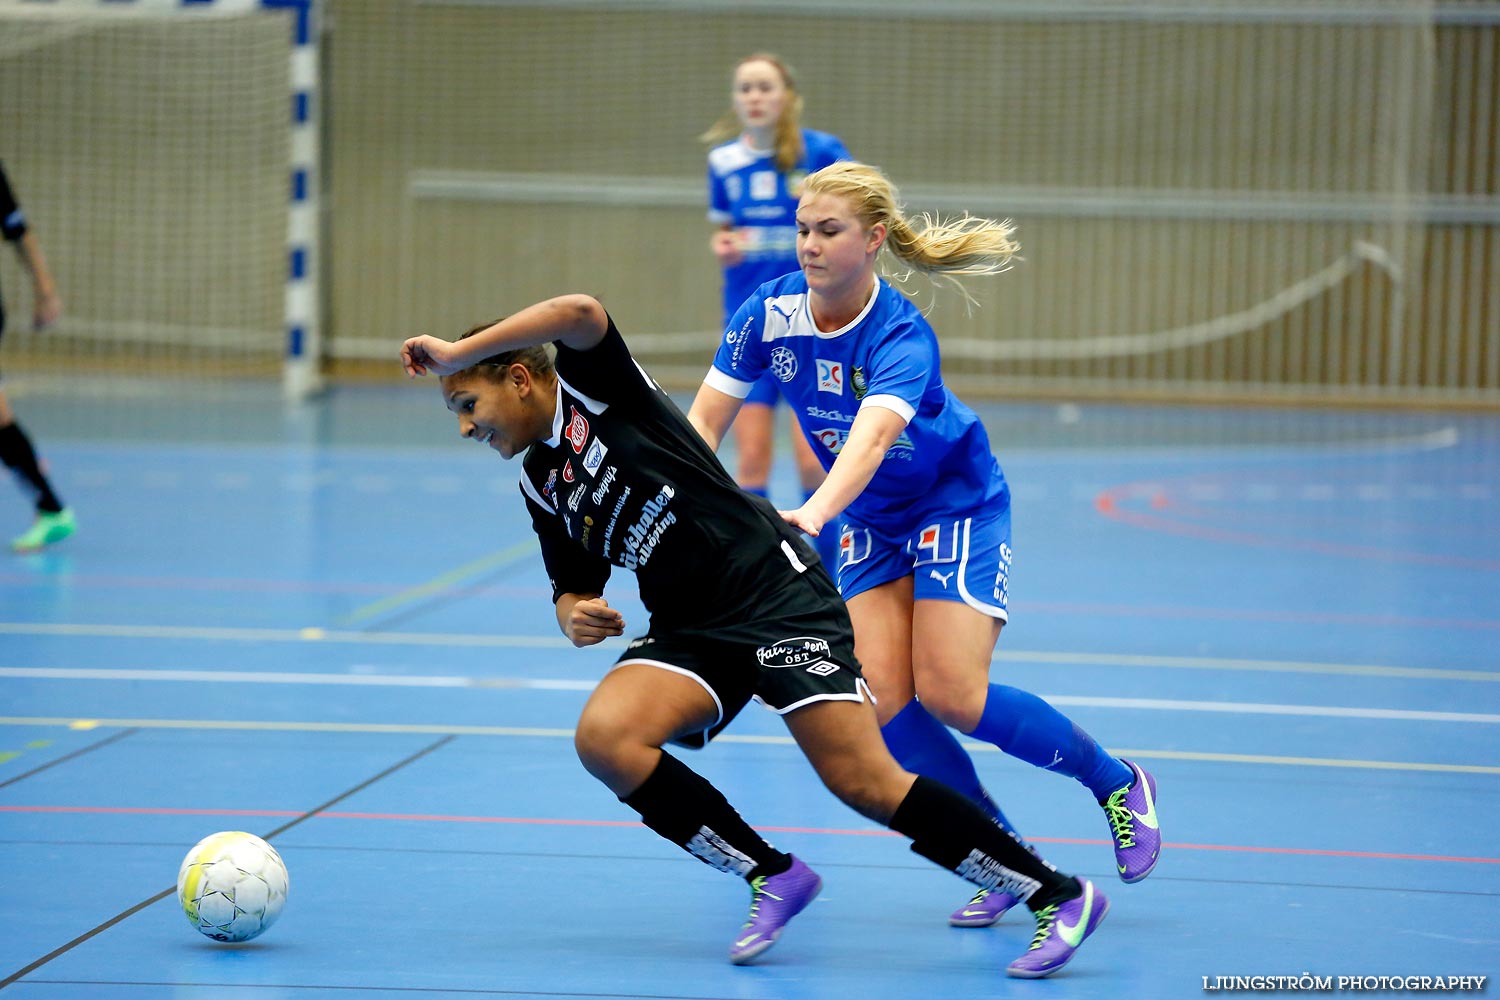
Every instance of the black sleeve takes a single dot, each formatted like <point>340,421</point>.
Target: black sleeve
<point>12,222</point>
<point>571,568</point>
<point>605,371</point>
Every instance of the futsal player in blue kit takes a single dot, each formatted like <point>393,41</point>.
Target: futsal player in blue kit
<point>615,476</point>
<point>915,496</point>
<point>752,197</point>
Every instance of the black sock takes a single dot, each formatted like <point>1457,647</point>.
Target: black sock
<point>686,809</point>
<point>952,831</point>
<point>20,458</point>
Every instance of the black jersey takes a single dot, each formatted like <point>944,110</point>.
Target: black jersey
<point>625,480</point>
<point>12,221</point>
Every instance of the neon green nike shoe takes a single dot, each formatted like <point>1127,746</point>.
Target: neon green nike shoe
<point>47,528</point>
<point>1060,929</point>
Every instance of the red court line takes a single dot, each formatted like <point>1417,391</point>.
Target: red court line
<point>1108,504</point>
<point>825,831</point>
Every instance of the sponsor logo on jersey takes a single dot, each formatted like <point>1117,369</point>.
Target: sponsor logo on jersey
<point>595,457</point>
<point>834,439</point>
<point>568,471</point>
<point>854,546</point>
<point>614,517</point>
<point>818,413</point>
<point>737,340</point>
<point>576,497</point>
<point>784,364</point>
<point>857,381</point>
<point>798,651</point>
<point>936,543</point>
<point>605,482</point>
<point>762,212</point>
<point>903,449</point>
<point>578,430</point>
<point>641,538</point>
<point>549,488</point>
<point>763,185</point>
<point>830,376</point>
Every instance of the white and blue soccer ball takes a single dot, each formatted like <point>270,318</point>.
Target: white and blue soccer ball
<point>232,886</point>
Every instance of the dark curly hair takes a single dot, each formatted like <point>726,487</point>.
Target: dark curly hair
<point>538,359</point>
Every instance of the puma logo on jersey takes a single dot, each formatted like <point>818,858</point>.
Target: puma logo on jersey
<point>943,578</point>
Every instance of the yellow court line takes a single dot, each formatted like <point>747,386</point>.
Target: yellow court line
<point>440,583</point>
<point>437,729</point>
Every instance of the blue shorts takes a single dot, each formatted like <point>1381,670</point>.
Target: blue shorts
<point>766,391</point>
<point>957,556</point>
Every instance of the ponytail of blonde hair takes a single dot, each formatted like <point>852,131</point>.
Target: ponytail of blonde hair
<point>788,135</point>
<point>937,247</point>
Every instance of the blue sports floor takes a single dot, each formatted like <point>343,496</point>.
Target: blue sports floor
<point>328,625</point>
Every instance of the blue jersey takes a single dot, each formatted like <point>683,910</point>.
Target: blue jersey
<point>745,190</point>
<point>887,357</point>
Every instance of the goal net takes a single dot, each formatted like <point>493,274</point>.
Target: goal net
<point>149,151</point>
<point>1208,192</point>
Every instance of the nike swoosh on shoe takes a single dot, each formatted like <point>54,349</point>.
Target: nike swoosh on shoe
<point>1074,935</point>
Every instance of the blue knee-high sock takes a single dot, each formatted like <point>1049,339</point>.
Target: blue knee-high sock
<point>1028,728</point>
<point>759,491</point>
<point>923,745</point>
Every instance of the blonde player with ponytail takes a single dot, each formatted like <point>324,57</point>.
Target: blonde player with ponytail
<point>919,503</point>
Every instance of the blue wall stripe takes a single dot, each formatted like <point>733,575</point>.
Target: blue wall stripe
<point>300,104</point>
<point>294,341</point>
<point>298,263</point>
<point>299,185</point>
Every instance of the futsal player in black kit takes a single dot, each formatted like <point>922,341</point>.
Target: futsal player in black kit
<point>614,475</point>
<point>53,521</point>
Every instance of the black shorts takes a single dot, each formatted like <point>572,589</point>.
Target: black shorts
<point>798,660</point>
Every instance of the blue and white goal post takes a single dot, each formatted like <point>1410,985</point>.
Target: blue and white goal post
<point>166,153</point>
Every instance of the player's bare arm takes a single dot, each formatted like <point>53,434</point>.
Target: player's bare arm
<point>875,430</point>
<point>577,321</point>
<point>711,414</point>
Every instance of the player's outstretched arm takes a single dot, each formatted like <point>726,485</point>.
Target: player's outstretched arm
<point>578,321</point>
<point>875,430</point>
<point>711,414</point>
<point>46,306</point>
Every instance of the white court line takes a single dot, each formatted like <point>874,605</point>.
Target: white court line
<point>558,642</point>
<point>1258,666</point>
<point>525,683</point>
<point>277,677</point>
<point>218,725</point>
<point>1253,708</point>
